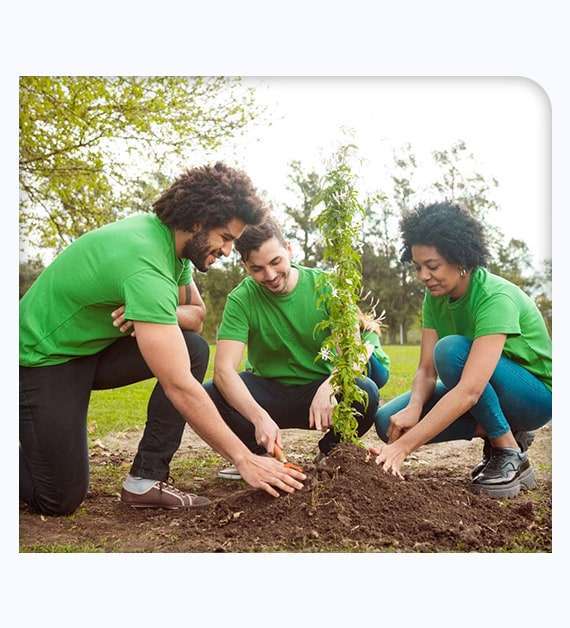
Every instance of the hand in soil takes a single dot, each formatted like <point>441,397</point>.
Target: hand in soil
<point>267,473</point>
<point>390,457</point>
<point>320,412</point>
<point>119,321</point>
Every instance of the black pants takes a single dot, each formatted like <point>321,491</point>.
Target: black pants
<point>289,407</point>
<point>54,463</point>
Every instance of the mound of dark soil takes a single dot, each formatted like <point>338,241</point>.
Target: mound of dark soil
<point>349,502</point>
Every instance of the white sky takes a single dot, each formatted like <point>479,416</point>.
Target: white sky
<point>504,122</point>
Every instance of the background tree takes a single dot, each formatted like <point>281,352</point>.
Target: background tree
<point>145,190</point>
<point>29,271</point>
<point>301,226</point>
<point>457,178</point>
<point>543,296</point>
<point>390,280</point>
<point>79,137</point>
<point>460,181</point>
<point>214,286</point>
<point>513,261</point>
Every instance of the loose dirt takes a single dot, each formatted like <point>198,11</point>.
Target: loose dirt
<point>348,504</point>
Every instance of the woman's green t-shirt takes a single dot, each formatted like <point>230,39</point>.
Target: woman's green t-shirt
<point>493,305</point>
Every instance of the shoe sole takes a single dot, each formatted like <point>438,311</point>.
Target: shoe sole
<point>229,476</point>
<point>526,482</point>
<point>165,507</point>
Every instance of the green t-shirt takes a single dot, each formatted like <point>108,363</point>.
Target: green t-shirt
<point>493,305</point>
<point>370,337</point>
<point>67,311</point>
<point>279,329</point>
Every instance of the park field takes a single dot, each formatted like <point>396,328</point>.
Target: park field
<point>121,409</point>
<point>359,509</point>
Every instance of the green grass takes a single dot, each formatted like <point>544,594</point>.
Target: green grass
<point>404,361</point>
<point>199,465</point>
<point>121,409</point>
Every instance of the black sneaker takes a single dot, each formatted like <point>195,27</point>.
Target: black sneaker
<point>506,474</point>
<point>484,460</point>
<point>524,441</point>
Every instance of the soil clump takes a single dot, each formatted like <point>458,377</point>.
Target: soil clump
<point>349,501</point>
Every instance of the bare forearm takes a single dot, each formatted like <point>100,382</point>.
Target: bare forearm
<point>236,393</point>
<point>449,408</point>
<point>190,317</point>
<point>195,405</point>
<point>422,389</point>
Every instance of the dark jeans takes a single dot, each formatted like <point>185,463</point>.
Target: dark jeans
<point>54,463</point>
<point>289,407</point>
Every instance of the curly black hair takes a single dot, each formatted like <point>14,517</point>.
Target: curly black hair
<point>209,196</point>
<point>457,236</point>
<point>253,237</point>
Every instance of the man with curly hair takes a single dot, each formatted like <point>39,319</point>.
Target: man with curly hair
<point>119,306</point>
<point>486,356</point>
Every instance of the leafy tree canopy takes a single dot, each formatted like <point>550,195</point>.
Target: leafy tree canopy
<point>84,140</point>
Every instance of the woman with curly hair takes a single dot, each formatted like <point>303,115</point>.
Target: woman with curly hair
<point>485,364</point>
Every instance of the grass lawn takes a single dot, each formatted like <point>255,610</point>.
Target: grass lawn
<point>121,409</point>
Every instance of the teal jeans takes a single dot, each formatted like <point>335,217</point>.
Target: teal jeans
<point>514,399</point>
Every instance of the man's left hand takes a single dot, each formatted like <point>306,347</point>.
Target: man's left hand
<point>119,321</point>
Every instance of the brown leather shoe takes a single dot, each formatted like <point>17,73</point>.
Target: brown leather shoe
<point>162,495</point>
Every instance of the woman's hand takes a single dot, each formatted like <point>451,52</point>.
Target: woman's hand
<point>401,422</point>
<point>390,457</point>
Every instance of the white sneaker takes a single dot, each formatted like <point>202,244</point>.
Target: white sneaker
<point>230,473</point>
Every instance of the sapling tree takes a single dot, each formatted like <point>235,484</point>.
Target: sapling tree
<point>340,224</point>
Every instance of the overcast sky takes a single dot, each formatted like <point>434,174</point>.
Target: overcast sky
<point>504,122</point>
